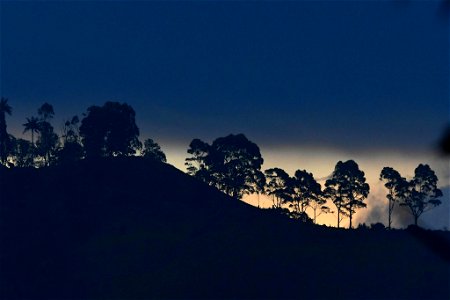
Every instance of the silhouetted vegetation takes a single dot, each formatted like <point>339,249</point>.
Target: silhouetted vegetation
<point>5,109</point>
<point>421,194</point>
<point>110,130</point>
<point>347,189</point>
<point>153,151</point>
<point>395,185</point>
<point>232,164</point>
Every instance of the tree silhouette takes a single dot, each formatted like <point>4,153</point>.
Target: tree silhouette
<point>318,207</point>
<point>71,130</point>
<point>31,125</point>
<point>421,194</point>
<point>197,165</point>
<point>22,152</point>
<point>396,187</point>
<point>258,187</point>
<point>5,109</point>
<point>153,151</point>
<point>305,189</point>
<point>347,188</point>
<point>47,142</point>
<point>110,130</point>
<point>46,112</point>
<point>278,185</point>
<point>72,150</point>
<point>230,163</point>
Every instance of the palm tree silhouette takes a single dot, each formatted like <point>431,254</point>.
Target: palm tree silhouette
<point>31,125</point>
<point>5,108</point>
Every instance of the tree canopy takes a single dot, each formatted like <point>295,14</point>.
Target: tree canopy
<point>153,151</point>
<point>347,188</point>
<point>110,130</point>
<point>422,193</point>
<point>396,185</point>
<point>230,163</point>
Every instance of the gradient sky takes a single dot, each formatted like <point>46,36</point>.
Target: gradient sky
<point>311,82</point>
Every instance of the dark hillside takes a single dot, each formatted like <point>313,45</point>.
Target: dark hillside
<point>130,228</point>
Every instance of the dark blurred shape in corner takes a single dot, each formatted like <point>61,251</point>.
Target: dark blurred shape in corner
<point>444,143</point>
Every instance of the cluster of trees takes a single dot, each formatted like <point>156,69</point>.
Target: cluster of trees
<point>232,164</point>
<point>108,130</point>
<point>419,195</point>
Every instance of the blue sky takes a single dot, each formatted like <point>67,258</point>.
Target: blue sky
<point>338,78</point>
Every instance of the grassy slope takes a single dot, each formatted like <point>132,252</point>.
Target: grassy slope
<point>127,228</point>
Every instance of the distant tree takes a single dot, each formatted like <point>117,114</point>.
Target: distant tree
<point>347,188</point>
<point>377,226</point>
<point>234,162</point>
<point>300,216</point>
<point>46,112</point>
<point>71,130</point>
<point>278,185</point>
<point>110,130</point>
<point>230,163</point>
<point>5,109</point>
<point>47,142</point>
<point>71,151</point>
<point>259,185</point>
<point>22,152</point>
<point>421,194</point>
<point>198,164</point>
<point>396,185</point>
<point>305,190</point>
<point>153,151</point>
<point>32,125</point>
<point>319,207</point>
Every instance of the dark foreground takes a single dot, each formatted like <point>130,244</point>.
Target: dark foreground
<point>127,228</point>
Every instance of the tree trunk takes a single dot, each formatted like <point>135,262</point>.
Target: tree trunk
<point>390,212</point>
<point>350,225</point>
<point>338,217</point>
<point>415,220</point>
<point>258,199</point>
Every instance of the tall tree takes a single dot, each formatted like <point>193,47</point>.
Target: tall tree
<point>278,185</point>
<point>71,150</point>
<point>110,130</point>
<point>347,188</point>
<point>153,151</point>
<point>259,185</point>
<point>319,207</point>
<point>230,163</point>
<point>198,164</point>
<point>71,130</point>
<point>422,192</point>
<point>396,185</point>
<point>32,125</point>
<point>46,112</point>
<point>5,109</point>
<point>47,142</point>
<point>305,190</point>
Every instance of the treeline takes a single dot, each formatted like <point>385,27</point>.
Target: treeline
<point>232,164</point>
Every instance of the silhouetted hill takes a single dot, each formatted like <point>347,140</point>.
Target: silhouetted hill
<point>131,228</point>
